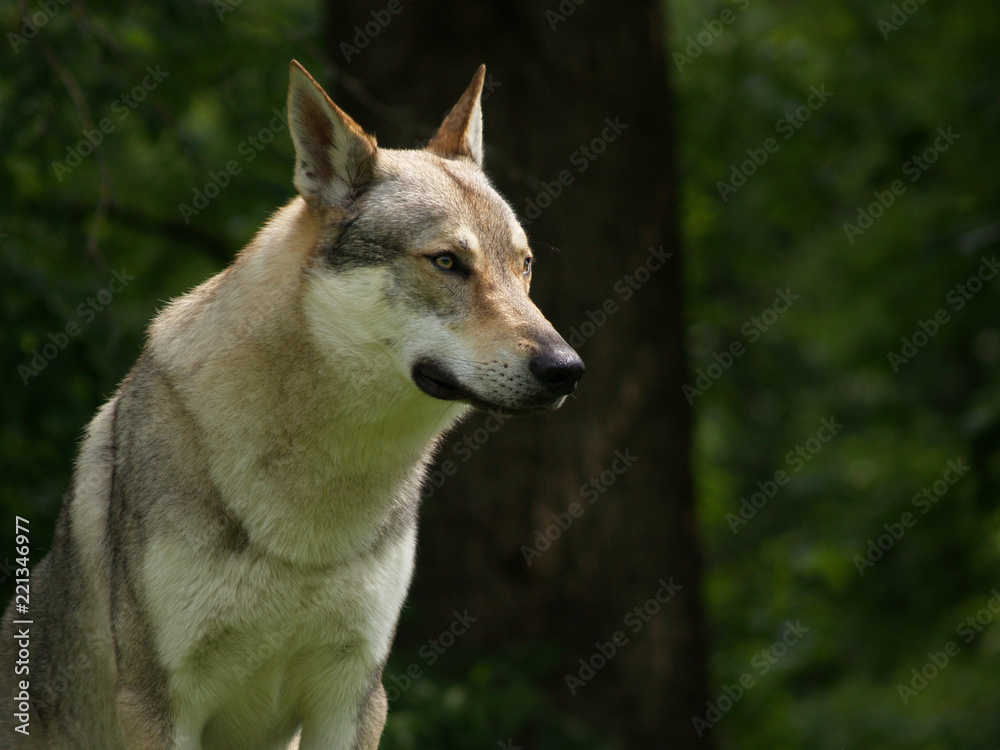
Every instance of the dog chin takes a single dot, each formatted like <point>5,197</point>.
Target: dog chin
<point>511,410</point>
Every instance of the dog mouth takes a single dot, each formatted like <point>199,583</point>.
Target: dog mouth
<point>436,382</point>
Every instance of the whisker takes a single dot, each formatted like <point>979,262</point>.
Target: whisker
<point>463,361</point>
<point>546,244</point>
<point>440,418</point>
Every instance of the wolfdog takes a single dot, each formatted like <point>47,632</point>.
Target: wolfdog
<point>232,556</point>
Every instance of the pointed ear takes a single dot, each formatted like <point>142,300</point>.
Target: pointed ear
<point>461,133</point>
<point>334,157</point>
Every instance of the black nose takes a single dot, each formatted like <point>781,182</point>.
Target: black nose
<point>559,369</point>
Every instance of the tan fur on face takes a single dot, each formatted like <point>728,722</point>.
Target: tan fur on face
<point>485,324</point>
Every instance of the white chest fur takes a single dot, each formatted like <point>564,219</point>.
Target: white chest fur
<point>254,645</point>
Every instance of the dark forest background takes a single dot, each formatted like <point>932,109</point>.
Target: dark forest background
<point>769,518</point>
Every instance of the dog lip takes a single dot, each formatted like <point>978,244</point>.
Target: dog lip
<point>435,381</point>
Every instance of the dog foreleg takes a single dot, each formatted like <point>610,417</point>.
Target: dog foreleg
<point>371,718</point>
<point>145,727</point>
<point>358,728</point>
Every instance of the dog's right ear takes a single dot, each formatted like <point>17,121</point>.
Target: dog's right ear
<point>334,157</point>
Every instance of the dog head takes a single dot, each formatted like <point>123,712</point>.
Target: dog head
<point>420,278</point>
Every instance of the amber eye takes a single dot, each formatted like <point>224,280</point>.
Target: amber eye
<point>450,262</point>
<point>528,262</point>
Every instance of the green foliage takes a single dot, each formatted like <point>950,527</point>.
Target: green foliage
<point>827,356</point>
<point>65,230</point>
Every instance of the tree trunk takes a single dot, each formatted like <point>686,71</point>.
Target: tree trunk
<point>580,137</point>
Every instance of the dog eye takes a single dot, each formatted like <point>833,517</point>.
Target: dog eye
<point>449,262</point>
<point>528,263</point>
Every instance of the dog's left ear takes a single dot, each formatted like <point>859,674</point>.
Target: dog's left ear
<point>334,157</point>
<point>461,133</point>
